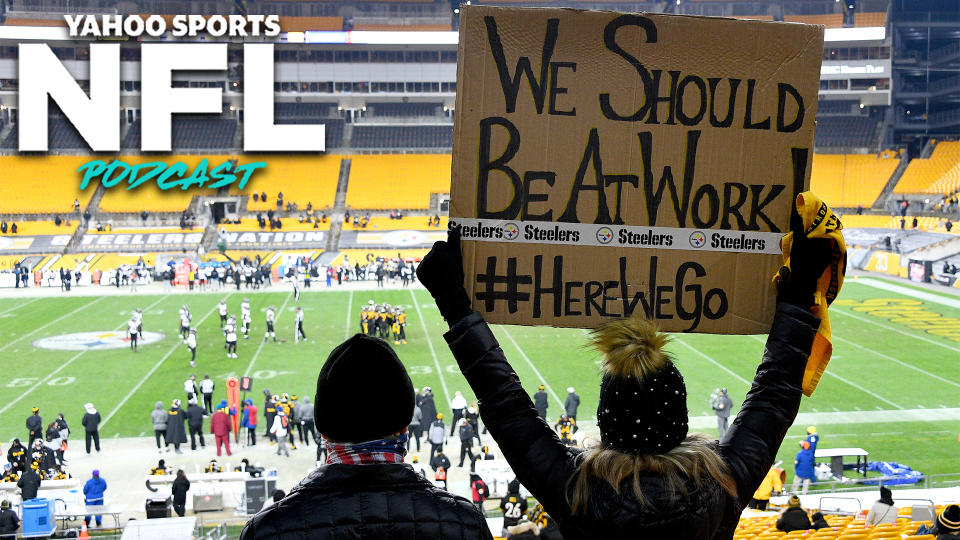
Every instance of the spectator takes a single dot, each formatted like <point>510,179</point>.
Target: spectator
<point>34,426</point>
<point>818,521</point>
<point>437,435</point>
<point>772,483</point>
<point>540,402</point>
<point>93,495</point>
<point>414,429</point>
<point>458,405</point>
<point>159,419</point>
<point>221,428</point>
<point>29,482</point>
<point>195,414</point>
<point>721,408</point>
<point>571,404</point>
<point>882,511</point>
<point>175,433</point>
<point>478,490</point>
<point>626,487</point>
<point>9,522</point>
<point>180,488</point>
<point>803,468</point>
<point>363,378</point>
<point>793,517</point>
<point>91,426</point>
<point>17,456</point>
<point>249,421</point>
<point>947,526</point>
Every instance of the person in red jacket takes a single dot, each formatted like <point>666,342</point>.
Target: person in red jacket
<point>220,427</point>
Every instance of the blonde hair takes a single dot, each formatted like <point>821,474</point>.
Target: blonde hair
<point>695,458</point>
<point>632,347</point>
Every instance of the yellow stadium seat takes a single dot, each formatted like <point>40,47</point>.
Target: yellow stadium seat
<point>41,184</point>
<point>402,181</point>
<point>850,180</point>
<point>40,228</point>
<point>409,223</point>
<point>303,179</point>
<point>940,173</point>
<point>151,198</point>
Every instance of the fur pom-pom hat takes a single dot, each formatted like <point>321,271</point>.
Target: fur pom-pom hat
<point>643,399</point>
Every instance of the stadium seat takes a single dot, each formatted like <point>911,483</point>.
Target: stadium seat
<point>404,27</point>
<point>852,131</point>
<point>34,228</point>
<point>41,184</point>
<point>201,132</point>
<point>849,180</point>
<point>392,181</point>
<point>408,223</point>
<point>831,20</point>
<point>407,136</point>
<point>940,173</point>
<point>148,196</point>
<point>303,179</point>
<point>870,18</point>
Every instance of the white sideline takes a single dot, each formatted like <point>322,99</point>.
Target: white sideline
<point>426,335</point>
<point>346,335</point>
<point>153,369</point>
<point>857,386</point>
<point>523,355</point>
<point>908,291</point>
<point>58,319</point>
<point>65,364</point>
<point>260,347</point>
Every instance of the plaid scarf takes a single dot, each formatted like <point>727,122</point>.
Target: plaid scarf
<point>388,450</point>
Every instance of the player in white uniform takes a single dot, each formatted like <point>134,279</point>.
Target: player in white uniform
<point>222,309</point>
<point>132,325</point>
<point>138,316</point>
<point>230,331</point>
<point>299,324</point>
<point>296,287</point>
<point>192,345</point>
<point>245,318</point>
<point>271,318</point>
<point>185,318</point>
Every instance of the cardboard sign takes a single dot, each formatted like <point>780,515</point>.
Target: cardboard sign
<point>605,163</point>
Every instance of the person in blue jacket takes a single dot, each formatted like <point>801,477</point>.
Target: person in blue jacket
<point>803,467</point>
<point>813,438</point>
<point>93,494</point>
<point>249,421</point>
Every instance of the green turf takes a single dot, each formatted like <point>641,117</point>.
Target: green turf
<point>878,364</point>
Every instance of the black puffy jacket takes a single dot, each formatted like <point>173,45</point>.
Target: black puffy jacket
<point>544,465</point>
<point>371,502</point>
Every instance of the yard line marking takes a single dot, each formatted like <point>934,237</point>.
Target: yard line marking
<point>260,347</point>
<point>58,319</point>
<point>18,306</point>
<point>346,335</point>
<point>894,360</point>
<point>533,367</point>
<point>858,387</point>
<point>155,368</point>
<point>914,335</point>
<point>433,352</point>
<point>862,389</point>
<point>63,365</point>
<point>711,360</point>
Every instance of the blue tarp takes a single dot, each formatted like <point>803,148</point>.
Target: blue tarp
<point>894,474</point>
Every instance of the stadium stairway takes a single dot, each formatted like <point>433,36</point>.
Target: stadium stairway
<point>887,193</point>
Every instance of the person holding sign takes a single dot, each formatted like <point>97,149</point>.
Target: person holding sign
<point>648,476</point>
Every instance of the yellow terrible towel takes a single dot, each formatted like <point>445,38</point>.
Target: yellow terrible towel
<point>819,222</point>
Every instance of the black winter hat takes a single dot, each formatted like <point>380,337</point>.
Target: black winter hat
<point>643,399</point>
<point>362,379</point>
<point>949,520</point>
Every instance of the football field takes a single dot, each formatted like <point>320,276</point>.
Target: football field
<point>892,388</point>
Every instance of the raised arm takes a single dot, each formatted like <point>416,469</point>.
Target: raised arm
<point>541,462</point>
<point>750,445</point>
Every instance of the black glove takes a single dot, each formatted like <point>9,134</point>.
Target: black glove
<point>441,272</point>
<point>809,258</point>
